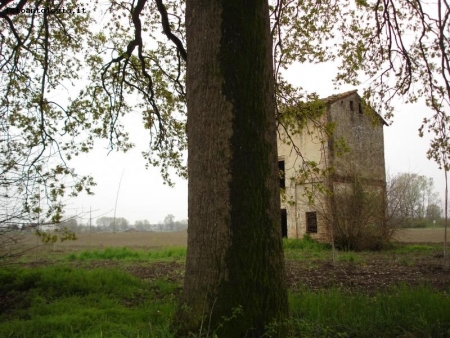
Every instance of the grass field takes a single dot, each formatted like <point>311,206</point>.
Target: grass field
<point>426,235</point>
<point>150,240</point>
<point>127,285</point>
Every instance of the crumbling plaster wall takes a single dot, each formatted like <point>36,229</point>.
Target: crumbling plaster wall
<point>362,132</point>
<point>311,145</point>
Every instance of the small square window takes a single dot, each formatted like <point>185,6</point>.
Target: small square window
<point>311,222</point>
<point>352,107</point>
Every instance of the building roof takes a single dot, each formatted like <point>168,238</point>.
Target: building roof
<point>337,97</point>
<point>340,96</point>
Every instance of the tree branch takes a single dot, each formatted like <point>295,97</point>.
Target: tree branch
<point>166,28</point>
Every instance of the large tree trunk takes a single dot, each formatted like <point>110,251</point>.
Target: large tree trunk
<point>235,257</point>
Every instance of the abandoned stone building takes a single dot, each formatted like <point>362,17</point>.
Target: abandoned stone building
<point>353,150</point>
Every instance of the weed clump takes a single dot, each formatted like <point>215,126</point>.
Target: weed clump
<point>127,254</point>
<point>306,243</point>
<point>72,302</point>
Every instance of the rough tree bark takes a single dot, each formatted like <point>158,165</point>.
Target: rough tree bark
<point>235,257</point>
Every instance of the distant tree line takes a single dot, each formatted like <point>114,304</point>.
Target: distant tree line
<point>413,201</point>
<point>120,224</point>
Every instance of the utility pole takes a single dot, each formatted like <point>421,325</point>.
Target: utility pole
<point>90,221</point>
<point>115,207</point>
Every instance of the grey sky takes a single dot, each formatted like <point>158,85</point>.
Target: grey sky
<point>143,196</point>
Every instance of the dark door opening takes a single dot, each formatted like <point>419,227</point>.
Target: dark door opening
<point>284,232</point>
<point>311,222</point>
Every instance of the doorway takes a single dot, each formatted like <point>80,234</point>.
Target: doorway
<point>284,230</point>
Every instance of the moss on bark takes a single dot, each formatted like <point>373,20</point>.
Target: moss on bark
<point>255,258</point>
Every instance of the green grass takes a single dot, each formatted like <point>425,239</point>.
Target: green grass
<point>306,243</point>
<point>129,254</point>
<point>305,248</point>
<point>309,249</point>
<point>411,248</point>
<point>398,312</point>
<point>65,301</point>
<point>349,256</point>
<point>62,301</point>
<point>69,302</point>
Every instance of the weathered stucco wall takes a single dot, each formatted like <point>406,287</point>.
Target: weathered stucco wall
<point>313,147</point>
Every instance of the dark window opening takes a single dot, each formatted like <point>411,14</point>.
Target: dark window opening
<point>352,108</point>
<point>281,173</point>
<point>311,222</point>
<point>360,108</point>
<point>284,232</point>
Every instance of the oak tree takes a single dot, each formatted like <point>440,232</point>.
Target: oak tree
<point>235,257</point>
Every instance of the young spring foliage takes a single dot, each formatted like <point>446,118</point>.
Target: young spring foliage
<point>110,59</point>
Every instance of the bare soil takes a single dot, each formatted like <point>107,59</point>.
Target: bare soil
<point>376,272</point>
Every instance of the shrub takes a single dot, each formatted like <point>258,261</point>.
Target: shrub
<point>358,217</point>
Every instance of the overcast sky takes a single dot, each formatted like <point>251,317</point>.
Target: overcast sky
<point>143,195</point>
